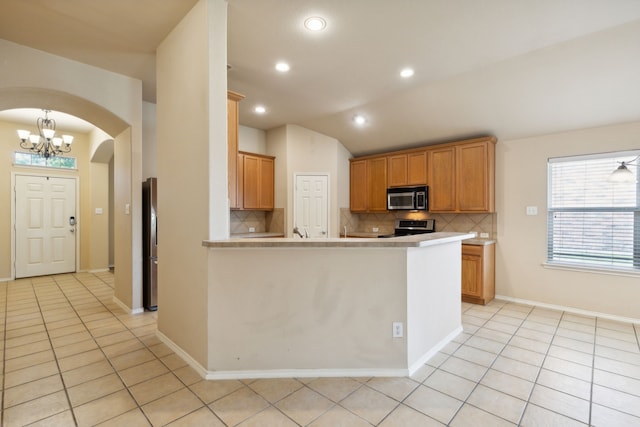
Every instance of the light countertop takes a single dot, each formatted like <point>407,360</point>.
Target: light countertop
<point>420,240</point>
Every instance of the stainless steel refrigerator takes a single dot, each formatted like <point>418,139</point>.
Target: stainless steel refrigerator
<point>150,244</point>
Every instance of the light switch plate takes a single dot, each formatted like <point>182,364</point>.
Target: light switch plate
<point>532,210</point>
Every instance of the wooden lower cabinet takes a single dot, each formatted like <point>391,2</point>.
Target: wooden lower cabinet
<point>478,273</point>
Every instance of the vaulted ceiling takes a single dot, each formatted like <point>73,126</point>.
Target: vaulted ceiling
<point>509,68</point>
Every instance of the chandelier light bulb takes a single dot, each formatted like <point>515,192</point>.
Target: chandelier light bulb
<point>23,134</point>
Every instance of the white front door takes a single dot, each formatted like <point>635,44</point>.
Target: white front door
<point>45,235</point>
<point>312,205</point>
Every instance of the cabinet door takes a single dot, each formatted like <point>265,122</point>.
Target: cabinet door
<point>475,177</point>
<point>442,174</point>
<point>358,186</point>
<point>240,182</point>
<point>417,168</point>
<point>266,184</point>
<point>472,271</point>
<point>251,186</point>
<point>233,99</point>
<point>397,170</point>
<point>377,184</point>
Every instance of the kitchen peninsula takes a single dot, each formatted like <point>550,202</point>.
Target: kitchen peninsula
<point>282,307</point>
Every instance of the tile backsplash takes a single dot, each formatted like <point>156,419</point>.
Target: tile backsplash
<point>385,222</point>
<point>242,221</point>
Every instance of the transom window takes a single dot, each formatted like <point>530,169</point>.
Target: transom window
<point>591,221</point>
<point>32,159</point>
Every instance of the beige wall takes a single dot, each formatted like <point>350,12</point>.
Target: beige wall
<point>192,174</point>
<point>8,145</point>
<point>252,140</point>
<point>112,102</point>
<point>521,180</point>
<point>149,150</point>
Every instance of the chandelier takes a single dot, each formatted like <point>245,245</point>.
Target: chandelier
<point>45,143</point>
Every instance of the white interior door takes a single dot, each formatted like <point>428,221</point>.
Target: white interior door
<point>45,238</point>
<point>312,205</point>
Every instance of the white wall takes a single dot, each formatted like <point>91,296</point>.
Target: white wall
<point>521,180</point>
<point>252,140</point>
<point>299,150</point>
<point>149,150</point>
<point>192,170</point>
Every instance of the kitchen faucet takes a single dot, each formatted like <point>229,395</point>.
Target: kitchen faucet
<point>296,231</point>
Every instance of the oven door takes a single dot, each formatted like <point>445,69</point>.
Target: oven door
<point>401,201</point>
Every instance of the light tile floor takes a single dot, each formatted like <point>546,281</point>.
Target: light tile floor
<point>72,357</point>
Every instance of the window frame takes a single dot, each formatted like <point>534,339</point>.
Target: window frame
<point>46,165</point>
<point>582,260</point>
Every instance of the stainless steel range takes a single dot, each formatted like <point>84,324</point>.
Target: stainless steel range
<point>407,227</point>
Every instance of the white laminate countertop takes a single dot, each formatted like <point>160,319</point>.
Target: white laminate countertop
<point>420,240</point>
<point>479,242</point>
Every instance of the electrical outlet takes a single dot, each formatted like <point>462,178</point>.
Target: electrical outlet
<point>397,330</point>
<point>375,229</point>
<point>252,229</point>
<point>484,235</point>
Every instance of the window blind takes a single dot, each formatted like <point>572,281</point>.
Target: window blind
<point>592,221</point>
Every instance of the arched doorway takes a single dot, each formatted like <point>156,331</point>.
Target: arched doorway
<point>127,256</point>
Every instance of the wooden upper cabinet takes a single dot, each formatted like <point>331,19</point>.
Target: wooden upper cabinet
<point>442,179</point>
<point>257,181</point>
<point>407,169</point>
<point>417,168</point>
<point>233,98</point>
<point>461,176</point>
<point>397,170</point>
<point>377,184</point>
<point>475,177</point>
<point>368,185</point>
<point>358,186</point>
<point>266,183</point>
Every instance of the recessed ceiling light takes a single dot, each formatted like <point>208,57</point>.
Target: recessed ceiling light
<point>283,67</point>
<point>315,23</point>
<point>259,109</point>
<point>406,73</point>
<point>359,120</point>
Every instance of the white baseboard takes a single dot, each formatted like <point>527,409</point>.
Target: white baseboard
<point>305,373</point>
<point>98,270</point>
<point>432,352</point>
<point>569,309</point>
<point>6,279</point>
<point>182,354</point>
<point>126,309</point>
<point>279,373</point>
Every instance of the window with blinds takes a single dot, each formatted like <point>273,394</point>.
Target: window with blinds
<point>591,221</point>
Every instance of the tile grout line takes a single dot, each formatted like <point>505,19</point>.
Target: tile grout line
<point>154,355</point>
<point>55,357</point>
<point>593,369</point>
<point>95,341</point>
<point>4,347</point>
<point>493,363</point>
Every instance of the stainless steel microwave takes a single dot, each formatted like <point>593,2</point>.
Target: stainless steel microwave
<point>408,198</point>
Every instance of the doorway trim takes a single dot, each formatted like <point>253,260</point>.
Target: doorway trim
<point>13,214</point>
<point>294,194</point>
